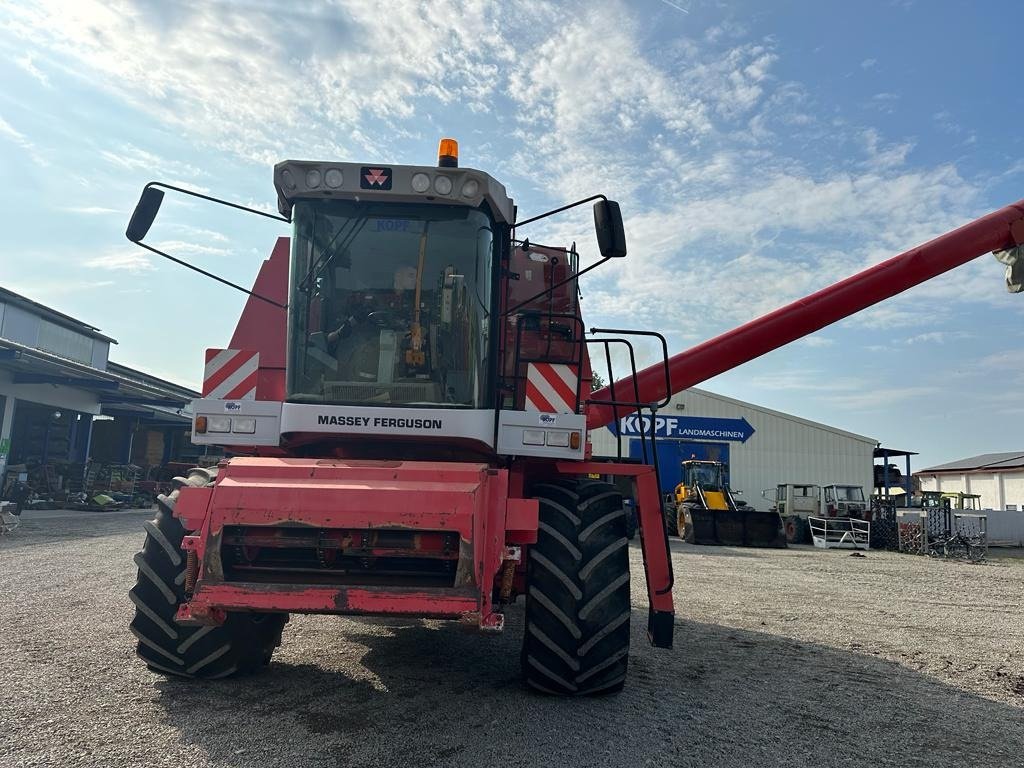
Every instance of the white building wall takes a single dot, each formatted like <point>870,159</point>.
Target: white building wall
<point>783,449</point>
<point>997,489</point>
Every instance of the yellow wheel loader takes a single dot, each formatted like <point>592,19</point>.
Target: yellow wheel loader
<point>703,510</point>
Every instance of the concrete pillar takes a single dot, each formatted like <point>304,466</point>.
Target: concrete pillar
<point>6,427</point>
<point>1000,492</point>
<point>126,457</point>
<point>168,445</point>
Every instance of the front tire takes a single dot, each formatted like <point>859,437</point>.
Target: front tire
<point>243,644</point>
<point>577,603</point>
<point>684,523</point>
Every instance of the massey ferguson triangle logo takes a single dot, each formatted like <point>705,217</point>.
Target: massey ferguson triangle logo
<point>375,178</point>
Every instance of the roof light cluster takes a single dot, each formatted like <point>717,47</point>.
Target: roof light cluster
<point>442,184</point>
<point>330,178</point>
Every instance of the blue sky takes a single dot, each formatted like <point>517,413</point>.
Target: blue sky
<point>760,151</point>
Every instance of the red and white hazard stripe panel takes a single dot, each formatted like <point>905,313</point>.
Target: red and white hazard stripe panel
<point>551,387</point>
<point>231,374</point>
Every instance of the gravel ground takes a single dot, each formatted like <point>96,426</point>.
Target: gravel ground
<point>794,657</point>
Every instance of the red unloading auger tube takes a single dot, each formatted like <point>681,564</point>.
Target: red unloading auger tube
<point>1000,230</point>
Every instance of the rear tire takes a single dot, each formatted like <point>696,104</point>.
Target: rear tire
<point>243,644</point>
<point>577,599</point>
<point>671,518</point>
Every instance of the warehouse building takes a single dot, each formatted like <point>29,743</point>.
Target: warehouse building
<point>997,477</point>
<point>762,447</point>
<point>64,404</point>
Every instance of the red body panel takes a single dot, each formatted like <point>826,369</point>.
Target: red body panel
<point>263,327</point>
<point>999,230</point>
<point>470,500</point>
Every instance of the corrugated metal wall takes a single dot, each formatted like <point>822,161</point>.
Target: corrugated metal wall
<point>784,449</point>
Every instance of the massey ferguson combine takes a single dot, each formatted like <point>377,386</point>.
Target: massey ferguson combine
<point>407,400</point>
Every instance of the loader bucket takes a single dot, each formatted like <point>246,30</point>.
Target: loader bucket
<point>731,527</point>
<point>764,529</point>
<point>738,528</point>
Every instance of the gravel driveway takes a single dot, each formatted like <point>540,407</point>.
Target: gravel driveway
<point>795,657</point>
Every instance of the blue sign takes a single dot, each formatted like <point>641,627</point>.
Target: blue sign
<point>685,428</point>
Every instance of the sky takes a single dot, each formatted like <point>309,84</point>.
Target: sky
<point>759,151</point>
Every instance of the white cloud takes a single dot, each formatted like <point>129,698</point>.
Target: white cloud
<point>258,80</point>
<point>92,210</point>
<point>185,248</point>
<point>724,223</point>
<point>878,398</point>
<point>869,64</point>
<point>9,132</point>
<point>132,158</point>
<point>127,260</point>
<point>880,156</point>
<point>27,64</point>
<point>1011,359</point>
<point>817,342</point>
<point>938,337</point>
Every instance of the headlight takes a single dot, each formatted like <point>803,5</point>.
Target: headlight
<point>471,188</point>
<point>218,423</point>
<point>312,178</point>
<point>244,425</point>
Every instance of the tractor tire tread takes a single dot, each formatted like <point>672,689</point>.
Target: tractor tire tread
<point>578,610</point>
<point>243,644</point>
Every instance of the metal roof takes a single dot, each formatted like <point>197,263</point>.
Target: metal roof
<point>881,452</point>
<point>993,461</point>
<point>10,297</point>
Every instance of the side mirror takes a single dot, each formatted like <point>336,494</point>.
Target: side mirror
<point>611,236</point>
<point>145,212</point>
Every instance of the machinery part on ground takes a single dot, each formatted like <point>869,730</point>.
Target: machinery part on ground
<point>10,517</point>
<point>796,529</point>
<point>887,475</point>
<point>242,644</point>
<point>839,532</point>
<point>577,603</point>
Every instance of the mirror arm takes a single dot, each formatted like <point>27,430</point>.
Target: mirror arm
<point>558,284</point>
<point>559,210</point>
<point>218,200</point>
<point>210,274</point>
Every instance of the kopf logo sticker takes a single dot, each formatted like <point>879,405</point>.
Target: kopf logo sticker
<point>375,178</point>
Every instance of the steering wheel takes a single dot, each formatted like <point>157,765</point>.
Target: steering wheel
<point>383,318</point>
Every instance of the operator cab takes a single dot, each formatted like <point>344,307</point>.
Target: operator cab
<point>390,304</point>
<point>392,283</point>
<point>706,475</point>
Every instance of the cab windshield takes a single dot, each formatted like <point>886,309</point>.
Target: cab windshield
<point>845,493</point>
<point>707,476</point>
<point>390,304</point>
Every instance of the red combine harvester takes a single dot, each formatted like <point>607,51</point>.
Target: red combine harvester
<point>407,400</point>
